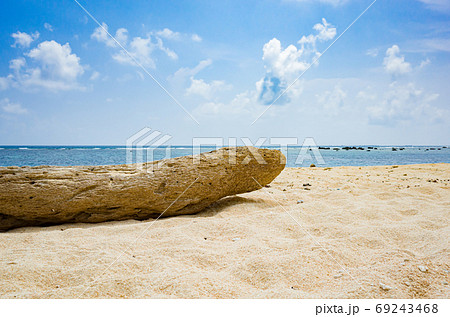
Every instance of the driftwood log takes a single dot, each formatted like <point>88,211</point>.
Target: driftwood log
<point>48,195</point>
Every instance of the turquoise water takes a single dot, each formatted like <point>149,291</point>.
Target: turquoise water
<point>107,155</point>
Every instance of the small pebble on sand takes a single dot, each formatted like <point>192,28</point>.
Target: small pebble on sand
<point>423,268</point>
<point>385,287</point>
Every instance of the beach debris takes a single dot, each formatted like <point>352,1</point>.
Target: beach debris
<point>423,268</point>
<point>385,287</point>
<point>171,187</point>
<point>235,239</point>
<point>307,184</point>
<point>445,283</point>
<point>299,201</point>
<point>312,165</point>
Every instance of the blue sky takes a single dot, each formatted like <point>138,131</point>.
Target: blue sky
<point>64,81</point>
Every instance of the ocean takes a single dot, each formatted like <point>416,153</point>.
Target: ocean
<point>325,156</point>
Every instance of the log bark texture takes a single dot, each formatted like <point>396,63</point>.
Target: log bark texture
<point>48,195</point>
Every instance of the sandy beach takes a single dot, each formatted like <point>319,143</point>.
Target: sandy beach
<point>341,232</point>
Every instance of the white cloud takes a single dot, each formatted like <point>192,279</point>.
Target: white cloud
<point>139,48</point>
<point>101,34</point>
<point>402,102</point>
<point>424,63</point>
<point>394,64</point>
<point>206,90</point>
<point>184,73</point>
<point>283,66</point>
<point>95,75</point>
<point>122,36</point>
<point>57,61</point>
<point>282,63</point>
<point>169,52</point>
<point>168,34</point>
<point>23,39</point>
<point>438,5</point>
<point>17,64</point>
<point>332,101</point>
<point>13,108</point>
<point>52,66</point>
<point>196,38</point>
<point>48,26</point>
<point>244,103</point>
<point>373,52</point>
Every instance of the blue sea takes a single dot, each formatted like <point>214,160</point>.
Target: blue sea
<point>363,155</point>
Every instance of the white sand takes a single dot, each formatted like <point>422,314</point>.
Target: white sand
<point>356,228</point>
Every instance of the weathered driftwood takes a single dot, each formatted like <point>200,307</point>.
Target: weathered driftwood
<point>46,195</point>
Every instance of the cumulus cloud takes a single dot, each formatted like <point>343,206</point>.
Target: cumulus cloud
<point>50,65</point>
<point>284,65</point>
<point>394,63</point>
<point>206,90</point>
<point>57,61</point>
<point>139,49</point>
<point>12,108</point>
<point>101,34</point>
<point>17,64</point>
<point>168,34</point>
<point>22,39</point>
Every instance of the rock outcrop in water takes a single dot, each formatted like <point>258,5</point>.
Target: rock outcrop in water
<point>47,195</point>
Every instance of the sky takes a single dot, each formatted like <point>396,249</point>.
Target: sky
<point>338,71</point>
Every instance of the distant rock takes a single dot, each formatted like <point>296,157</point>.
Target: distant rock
<point>48,195</point>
